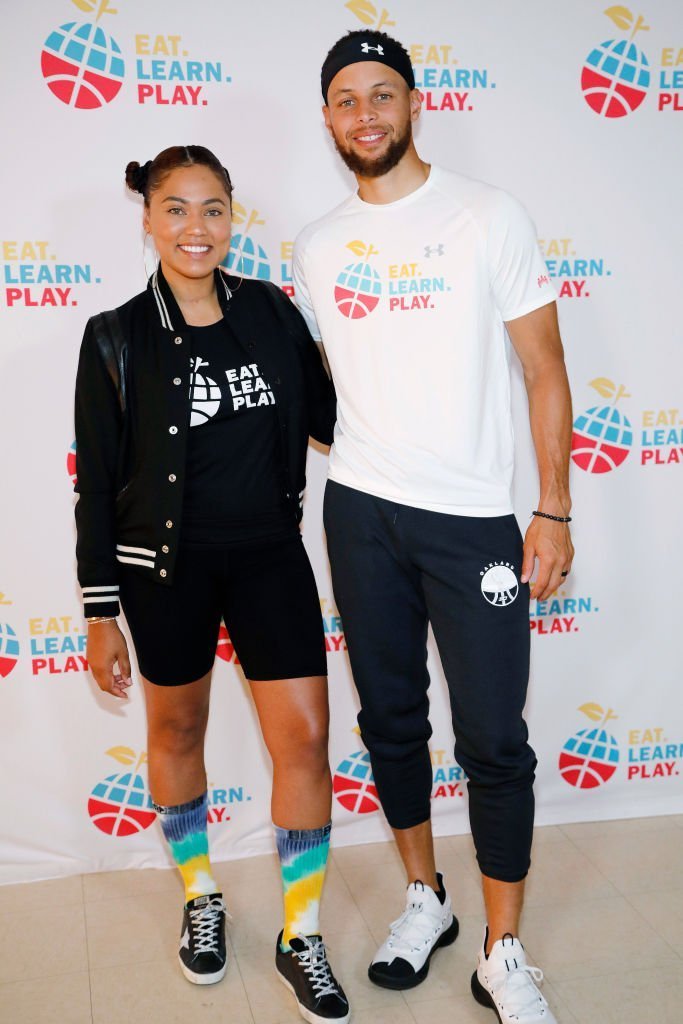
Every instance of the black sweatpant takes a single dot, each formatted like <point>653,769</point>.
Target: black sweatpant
<point>395,569</point>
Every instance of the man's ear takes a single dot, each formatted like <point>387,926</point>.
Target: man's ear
<point>415,104</point>
<point>326,116</point>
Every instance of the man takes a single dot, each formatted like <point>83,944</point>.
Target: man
<point>410,284</point>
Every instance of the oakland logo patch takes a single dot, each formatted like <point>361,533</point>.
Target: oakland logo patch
<point>499,585</point>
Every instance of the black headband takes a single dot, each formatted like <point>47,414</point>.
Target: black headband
<point>354,49</point>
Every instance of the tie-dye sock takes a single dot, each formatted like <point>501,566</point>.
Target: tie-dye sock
<point>303,857</point>
<point>185,829</point>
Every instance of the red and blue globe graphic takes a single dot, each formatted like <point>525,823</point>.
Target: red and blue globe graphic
<point>354,786</point>
<point>82,65</point>
<point>71,463</point>
<point>615,78</point>
<point>589,758</point>
<point>247,259</point>
<point>601,440</point>
<point>9,649</point>
<point>121,805</point>
<point>357,291</point>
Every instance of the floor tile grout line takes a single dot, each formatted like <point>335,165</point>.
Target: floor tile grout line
<point>655,930</point>
<point>87,950</point>
<point>235,956</point>
<point>624,893</point>
<point>594,865</point>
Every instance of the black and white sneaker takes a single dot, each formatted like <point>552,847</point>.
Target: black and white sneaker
<point>402,961</point>
<point>307,974</point>
<point>202,941</point>
<point>506,983</point>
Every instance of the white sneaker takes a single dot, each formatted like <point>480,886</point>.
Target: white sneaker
<point>402,961</point>
<point>507,984</point>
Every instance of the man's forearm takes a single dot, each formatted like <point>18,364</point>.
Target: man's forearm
<point>550,416</point>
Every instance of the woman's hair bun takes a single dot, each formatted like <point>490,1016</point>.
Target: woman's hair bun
<point>137,176</point>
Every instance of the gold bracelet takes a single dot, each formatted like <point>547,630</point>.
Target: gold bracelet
<point>101,618</point>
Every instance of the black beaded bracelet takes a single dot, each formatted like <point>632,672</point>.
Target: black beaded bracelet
<point>557,519</point>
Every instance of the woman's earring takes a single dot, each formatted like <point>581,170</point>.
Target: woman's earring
<point>155,257</point>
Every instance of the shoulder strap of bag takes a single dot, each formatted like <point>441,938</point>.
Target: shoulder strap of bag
<point>111,343</point>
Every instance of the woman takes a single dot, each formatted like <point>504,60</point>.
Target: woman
<point>194,402</point>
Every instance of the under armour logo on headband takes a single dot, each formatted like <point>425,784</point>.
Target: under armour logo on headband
<point>365,47</point>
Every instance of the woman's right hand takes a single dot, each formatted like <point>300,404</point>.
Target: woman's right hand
<point>107,647</point>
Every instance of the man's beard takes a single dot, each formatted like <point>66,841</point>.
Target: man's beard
<point>369,167</point>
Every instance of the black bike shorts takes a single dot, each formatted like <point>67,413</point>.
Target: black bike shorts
<point>266,594</point>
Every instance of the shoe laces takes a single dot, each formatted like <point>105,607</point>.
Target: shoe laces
<point>206,923</point>
<point>516,989</point>
<point>313,959</point>
<point>413,926</point>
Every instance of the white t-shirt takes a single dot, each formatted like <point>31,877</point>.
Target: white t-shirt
<point>409,299</point>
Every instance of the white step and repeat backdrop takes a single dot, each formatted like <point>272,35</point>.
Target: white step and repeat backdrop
<point>575,109</point>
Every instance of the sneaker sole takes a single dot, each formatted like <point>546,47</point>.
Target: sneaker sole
<point>308,1015</point>
<point>398,984</point>
<point>202,979</point>
<point>483,996</point>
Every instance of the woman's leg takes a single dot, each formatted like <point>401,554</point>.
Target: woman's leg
<point>176,726</point>
<point>294,717</point>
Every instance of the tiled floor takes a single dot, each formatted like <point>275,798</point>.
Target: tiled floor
<point>604,918</point>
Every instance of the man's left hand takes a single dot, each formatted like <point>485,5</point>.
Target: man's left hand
<point>551,544</point>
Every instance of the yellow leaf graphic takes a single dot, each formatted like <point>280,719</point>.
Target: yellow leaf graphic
<point>124,755</point>
<point>593,711</point>
<point>640,26</point>
<point>239,213</point>
<point>363,10</point>
<point>384,20</point>
<point>105,9</point>
<point>357,247</point>
<point>604,387</point>
<point>88,6</point>
<point>356,730</point>
<point>621,16</point>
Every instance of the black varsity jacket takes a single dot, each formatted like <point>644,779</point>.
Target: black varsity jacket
<point>133,415</point>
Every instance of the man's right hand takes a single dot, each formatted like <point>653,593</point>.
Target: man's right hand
<point>107,648</point>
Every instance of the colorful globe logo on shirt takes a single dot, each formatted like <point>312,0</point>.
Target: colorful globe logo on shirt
<point>589,758</point>
<point>71,463</point>
<point>9,649</point>
<point>615,78</point>
<point>247,259</point>
<point>357,291</point>
<point>601,440</point>
<point>121,805</point>
<point>354,786</point>
<point>82,65</point>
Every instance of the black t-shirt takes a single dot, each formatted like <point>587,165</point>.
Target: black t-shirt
<point>233,486</point>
